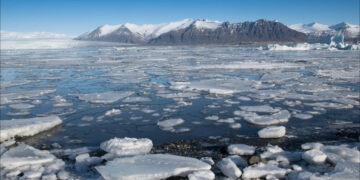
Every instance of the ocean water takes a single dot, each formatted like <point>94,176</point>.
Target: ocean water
<point>108,90</point>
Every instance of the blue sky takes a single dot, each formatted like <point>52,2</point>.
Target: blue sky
<point>74,17</point>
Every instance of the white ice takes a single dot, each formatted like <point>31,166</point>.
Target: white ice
<point>26,127</point>
<point>272,132</point>
<point>261,170</point>
<point>202,175</point>
<point>261,108</point>
<point>112,112</point>
<point>104,97</point>
<point>314,156</point>
<point>241,149</point>
<point>152,166</point>
<point>127,146</point>
<point>253,118</point>
<point>21,106</point>
<point>229,168</point>
<point>168,125</point>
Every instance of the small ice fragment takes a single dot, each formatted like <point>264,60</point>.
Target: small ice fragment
<point>127,146</point>
<point>235,125</point>
<point>261,108</point>
<point>303,116</point>
<point>272,132</point>
<point>241,149</point>
<point>213,118</point>
<point>229,168</point>
<point>168,125</point>
<point>104,97</point>
<point>21,106</point>
<point>314,156</point>
<point>113,112</point>
<point>314,145</point>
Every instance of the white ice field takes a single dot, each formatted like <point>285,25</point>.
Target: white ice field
<point>79,97</point>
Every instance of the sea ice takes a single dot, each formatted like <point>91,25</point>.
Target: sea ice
<point>235,125</point>
<point>276,118</point>
<point>26,127</point>
<point>213,118</point>
<point>30,161</point>
<point>202,175</point>
<point>112,112</point>
<point>303,116</point>
<point>261,170</point>
<point>262,108</point>
<point>314,156</point>
<point>152,166</point>
<point>272,132</point>
<point>127,146</point>
<point>104,97</point>
<point>168,125</point>
<point>241,149</point>
<point>21,106</point>
<point>229,168</point>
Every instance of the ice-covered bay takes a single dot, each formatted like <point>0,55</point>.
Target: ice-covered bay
<point>170,93</point>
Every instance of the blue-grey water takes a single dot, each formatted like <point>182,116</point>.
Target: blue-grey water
<point>187,82</point>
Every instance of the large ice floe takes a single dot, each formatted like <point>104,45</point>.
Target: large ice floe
<point>104,97</point>
<point>151,166</point>
<point>26,127</point>
<point>254,118</point>
<point>30,163</point>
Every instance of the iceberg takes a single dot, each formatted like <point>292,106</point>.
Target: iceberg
<point>149,167</point>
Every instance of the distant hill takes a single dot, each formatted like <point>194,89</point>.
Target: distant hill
<point>316,31</point>
<point>189,31</point>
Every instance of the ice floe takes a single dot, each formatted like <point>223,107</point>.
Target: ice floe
<point>21,106</point>
<point>112,112</point>
<point>152,166</point>
<point>202,175</point>
<point>314,156</point>
<point>261,108</point>
<point>279,117</point>
<point>104,97</point>
<point>229,168</point>
<point>127,146</point>
<point>26,127</point>
<point>272,132</point>
<point>241,149</point>
<point>168,125</point>
<point>33,163</point>
<point>262,170</point>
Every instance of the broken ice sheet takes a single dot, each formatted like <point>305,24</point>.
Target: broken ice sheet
<point>104,97</point>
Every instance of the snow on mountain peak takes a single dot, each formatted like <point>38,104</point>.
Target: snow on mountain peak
<point>207,24</point>
<point>310,28</point>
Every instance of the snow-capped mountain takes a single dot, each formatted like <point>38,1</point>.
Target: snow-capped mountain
<point>190,31</point>
<point>318,30</point>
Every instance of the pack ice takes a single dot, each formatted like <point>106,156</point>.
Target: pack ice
<point>26,127</point>
<point>151,166</point>
<point>30,162</point>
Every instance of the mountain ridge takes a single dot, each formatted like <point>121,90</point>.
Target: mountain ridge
<point>199,31</point>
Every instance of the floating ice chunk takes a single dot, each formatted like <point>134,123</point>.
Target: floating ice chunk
<point>15,95</point>
<point>303,116</point>
<point>112,112</point>
<point>21,106</point>
<point>241,149</point>
<point>20,113</point>
<point>229,168</point>
<point>235,125</point>
<point>261,170</point>
<point>272,132</point>
<point>136,99</point>
<point>243,98</point>
<point>308,146</point>
<point>213,118</point>
<point>330,105</point>
<point>238,160</point>
<point>262,108</point>
<point>314,156</point>
<point>32,174</point>
<point>279,76</point>
<point>168,125</point>
<point>127,146</point>
<point>84,160</point>
<point>25,155</point>
<point>152,166</point>
<point>104,97</point>
<point>276,118</point>
<point>279,155</point>
<point>227,120</point>
<point>208,160</point>
<point>26,127</point>
<point>202,175</point>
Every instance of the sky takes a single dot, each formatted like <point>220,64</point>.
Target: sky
<point>74,17</point>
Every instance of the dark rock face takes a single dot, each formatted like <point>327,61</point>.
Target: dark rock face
<point>247,32</point>
<point>261,31</point>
